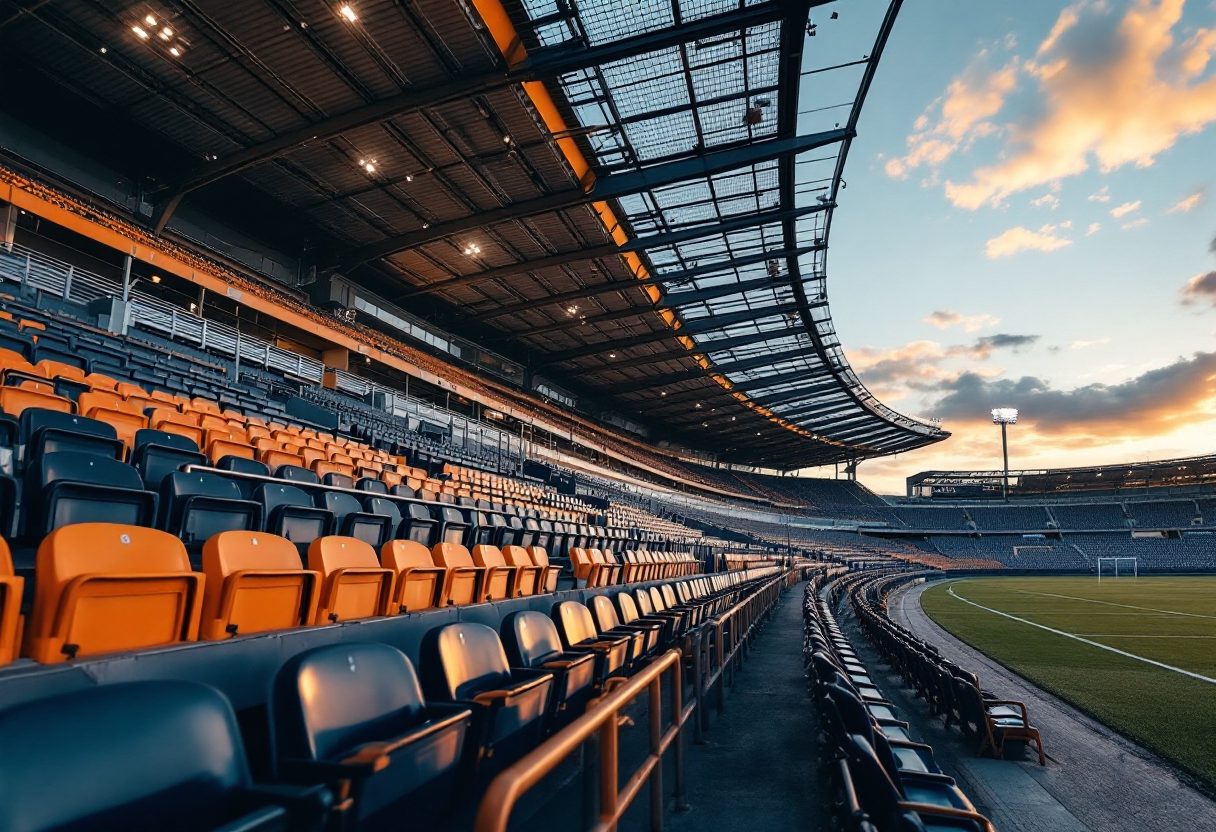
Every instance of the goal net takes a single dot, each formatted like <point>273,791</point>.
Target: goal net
<point>1116,567</point>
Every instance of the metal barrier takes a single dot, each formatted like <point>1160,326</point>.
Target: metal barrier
<point>605,719</point>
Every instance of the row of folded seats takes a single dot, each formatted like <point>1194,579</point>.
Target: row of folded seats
<point>888,783</point>
<point>103,587</point>
<point>361,740</point>
<point>596,567</point>
<point>997,725</point>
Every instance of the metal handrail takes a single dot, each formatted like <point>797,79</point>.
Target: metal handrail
<point>604,718</point>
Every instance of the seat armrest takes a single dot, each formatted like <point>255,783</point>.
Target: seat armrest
<point>946,812</point>
<point>308,807</point>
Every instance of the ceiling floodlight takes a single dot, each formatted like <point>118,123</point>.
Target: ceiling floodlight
<point>139,31</point>
<point>150,20</point>
<point>349,14</point>
<point>1004,415</point>
<point>471,249</point>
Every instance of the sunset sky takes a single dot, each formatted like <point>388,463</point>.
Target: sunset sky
<point>1029,222</point>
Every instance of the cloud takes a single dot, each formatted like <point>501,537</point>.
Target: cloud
<point>1101,196</point>
<point>1081,345</point>
<point>983,347</point>
<point>946,318</point>
<point>1050,200</point>
<point>1136,223</point>
<point>1187,203</point>
<point>1200,288</point>
<point>1023,239</point>
<point>1154,403</point>
<point>1113,88</point>
<point>1125,208</point>
<point>958,117</point>
<point>1094,227</point>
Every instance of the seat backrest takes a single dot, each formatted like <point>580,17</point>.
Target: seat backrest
<point>385,508</point>
<point>295,473</point>
<point>182,762</point>
<point>450,555</point>
<point>373,485</point>
<point>627,607</point>
<point>604,613</point>
<point>340,503</point>
<point>669,595</point>
<point>486,555</point>
<point>575,622</point>
<point>328,554</point>
<point>539,556</point>
<point>243,465</point>
<point>516,556</point>
<point>460,660</point>
<point>175,493</point>
<point>59,509</point>
<point>328,700</point>
<point>405,554</point>
<point>530,639</point>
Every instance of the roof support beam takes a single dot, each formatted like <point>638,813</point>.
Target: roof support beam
<point>608,288</point>
<point>501,272</point>
<point>702,164</point>
<point>650,382</point>
<point>544,63</point>
<point>694,327</point>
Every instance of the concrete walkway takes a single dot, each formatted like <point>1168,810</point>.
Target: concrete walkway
<point>1095,779</point>
<point>758,770</point>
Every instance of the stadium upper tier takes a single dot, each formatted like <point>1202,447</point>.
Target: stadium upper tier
<point>625,208</point>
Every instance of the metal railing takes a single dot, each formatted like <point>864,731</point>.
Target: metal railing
<point>604,720</point>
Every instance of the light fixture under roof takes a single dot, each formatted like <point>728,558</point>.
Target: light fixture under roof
<point>409,177</point>
<point>150,20</point>
<point>155,278</point>
<point>472,249</point>
<point>572,309</point>
<point>368,165</point>
<point>166,33</point>
<point>175,52</point>
<point>349,13</point>
<point>612,355</point>
<point>139,30</point>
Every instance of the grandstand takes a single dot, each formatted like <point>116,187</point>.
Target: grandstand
<point>400,405</point>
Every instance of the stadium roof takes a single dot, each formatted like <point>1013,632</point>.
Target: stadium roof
<point>633,197</point>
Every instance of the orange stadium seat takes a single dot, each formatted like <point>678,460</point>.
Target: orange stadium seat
<point>420,584</point>
<point>255,583</point>
<point>11,620</point>
<point>355,585</point>
<point>104,587</point>
<point>464,584</point>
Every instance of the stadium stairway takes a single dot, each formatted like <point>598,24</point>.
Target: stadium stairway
<point>1094,780</point>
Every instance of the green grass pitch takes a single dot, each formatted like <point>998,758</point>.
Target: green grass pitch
<point>1171,620</point>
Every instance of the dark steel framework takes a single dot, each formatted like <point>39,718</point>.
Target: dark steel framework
<point>417,159</point>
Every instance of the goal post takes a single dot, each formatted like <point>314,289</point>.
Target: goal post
<point>1114,566</point>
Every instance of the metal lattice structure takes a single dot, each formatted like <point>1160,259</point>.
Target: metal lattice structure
<point>634,199</point>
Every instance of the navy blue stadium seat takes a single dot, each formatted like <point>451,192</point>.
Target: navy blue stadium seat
<point>454,525</point>
<point>419,525</point>
<point>354,713</point>
<point>158,454</point>
<point>530,640</point>
<point>289,513</point>
<point>64,488</point>
<point>162,755</point>
<point>350,519</point>
<point>51,431</point>
<point>243,465</point>
<point>464,663</point>
<point>369,484</point>
<point>196,506</point>
<point>294,473</point>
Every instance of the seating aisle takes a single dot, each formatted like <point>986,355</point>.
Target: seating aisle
<point>758,770</point>
<point>1077,790</point>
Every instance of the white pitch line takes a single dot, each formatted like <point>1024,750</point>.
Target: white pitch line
<point>1113,604</point>
<point>1084,640</point>
<point>1124,635</point>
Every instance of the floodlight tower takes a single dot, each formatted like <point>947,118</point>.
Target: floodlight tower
<point>1005,416</point>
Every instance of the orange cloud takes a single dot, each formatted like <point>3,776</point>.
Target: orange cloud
<point>1125,208</point>
<point>1200,288</point>
<point>946,318</point>
<point>1020,239</point>
<point>1187,203</point>
<point>960,114</point>
<point>1117,95</point>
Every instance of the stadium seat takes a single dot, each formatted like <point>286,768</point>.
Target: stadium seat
<point>528,575</point>
<point>419,585</point>
<point>498,579</point>
<point>465,580</point>
<point>287,512</point>
<point>151,755</point>
<point>50,431</point>
<point>418,524</point>
<point>352,521</point>
<point>196,506</point>
<point>354,584</point>
<point>577,630</point>
<point>11,620</point>
<point>104,587</point>
<point>158,454</point>
<point>255,583</point>
<point>353,717</point>
<point>649,634</point>
<point>453,525</point>
<point>64,488</point>
<point>999,720</point>
<point>464,663</point>
<point>550,572</point>
<point>531,640</point>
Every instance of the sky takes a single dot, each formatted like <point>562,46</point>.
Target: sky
<point>1030,222</point>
